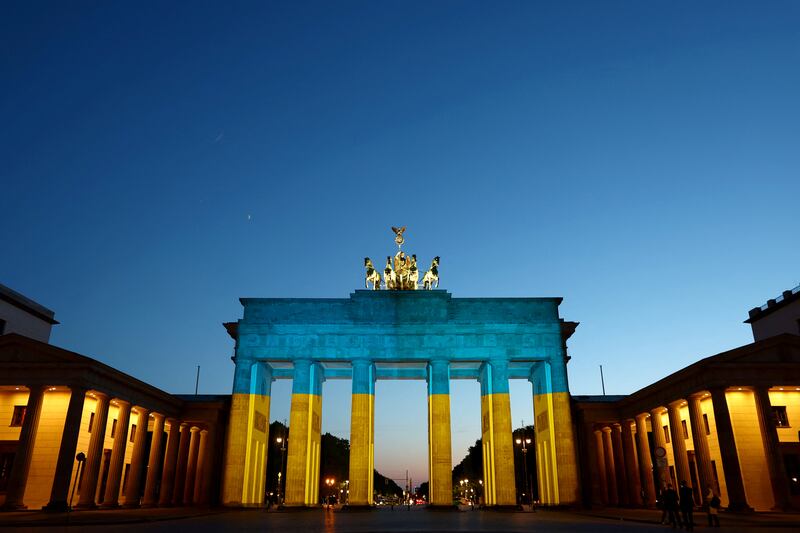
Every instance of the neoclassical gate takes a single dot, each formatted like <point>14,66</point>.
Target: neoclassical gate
<point>411,334</point>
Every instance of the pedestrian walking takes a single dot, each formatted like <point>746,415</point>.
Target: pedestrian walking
<point>686,496</point>
<point>712,503</point>
<point>671,507</point>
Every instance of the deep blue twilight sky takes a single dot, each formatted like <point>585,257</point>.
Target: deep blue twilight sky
<point>160,160</point>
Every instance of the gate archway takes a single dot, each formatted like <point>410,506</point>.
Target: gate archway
<point>399,335</point>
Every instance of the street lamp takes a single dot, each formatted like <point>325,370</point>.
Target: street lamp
<point>329,482</point>
<point>282,443</point>
<point>524,443</point>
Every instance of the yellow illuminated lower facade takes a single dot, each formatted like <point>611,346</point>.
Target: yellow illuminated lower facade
<point>498,451</point>
<point>362,449</point>
<point>440,486</point>
<point>302,465</point>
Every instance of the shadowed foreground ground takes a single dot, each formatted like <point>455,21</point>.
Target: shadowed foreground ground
<point>417,519</point>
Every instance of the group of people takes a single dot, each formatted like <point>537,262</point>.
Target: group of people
<point>678,506</point>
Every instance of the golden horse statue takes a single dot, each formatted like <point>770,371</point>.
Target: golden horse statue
<point>389,277</point>
<point>372,275</point>
<point>432,275</point>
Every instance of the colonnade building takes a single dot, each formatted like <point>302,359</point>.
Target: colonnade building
<point>142,446</point>
<point>730,421</point>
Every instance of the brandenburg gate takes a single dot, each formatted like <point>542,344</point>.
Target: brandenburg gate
<point>394,331</point>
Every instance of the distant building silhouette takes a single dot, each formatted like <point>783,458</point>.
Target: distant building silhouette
<point>19,314</point>
<point>778,315</point>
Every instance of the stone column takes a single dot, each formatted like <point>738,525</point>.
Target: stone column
<point>180,468</point>
<point>94,455</point>
<point>111,496</point>
<point>170,462</point>
<point>15,490</point>
<point>659,441</point>
<point>154,461</point>
<point>600,459</point>
<point>631,465</point>
<point>198,498</point>
<point>556,454</point>
<point>59,493</point>
<point>247,438</point>
<point>202,446</point>
<point>362,433</point>
<point>439,443</point>
<point>191,466</point>
<point>678,443</point>
<point>737,500</point>
<point>769,435</point>
<point>645,461</point>
<point>611,471</point>
<point>305,420</point>
<point>499,483</point>
<point>619,463</point>
<point>134,484</point>
<point>702,455</point>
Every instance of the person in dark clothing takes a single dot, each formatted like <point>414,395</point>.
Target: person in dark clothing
<point>687,505</point>
<point>671,507</point>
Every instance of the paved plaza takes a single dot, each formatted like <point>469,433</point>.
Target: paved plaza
<point>382,519</point>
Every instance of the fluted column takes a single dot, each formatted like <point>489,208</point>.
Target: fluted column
<point>191,466</point>
<point>170,462</point>
<point>499,484</point>
<point>619,464</point>
<point>702,455</point>
<point>15,490</point>
<point>203,458</point>
<point>305,421</point>
<point>66,451</point>
<point>769,435</point>
<point>439,443</point>
<point>631,464</point>
<point>362,433</point>
<point>600,458</point>
<point>645,461</point>
<point>180,468</point>
<point>611,470</point>
<point>111,496</point>
<point>678,443</point>
<point>737,501</point>
<point>94,455</point>
<point>659,441</point>
<point>154,461</point>
<point>134,484</point>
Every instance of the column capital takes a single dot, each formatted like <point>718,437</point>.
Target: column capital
<point>675,404</point>
<point>121,403</point>
<point>157,416</point>
<point>78,389</point>
<point>98,395</point>
<point>642,416</point>
<point>699,395</point>
<point>606,429</point>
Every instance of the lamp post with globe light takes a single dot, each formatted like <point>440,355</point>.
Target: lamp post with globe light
<point>524,443</point>
<point>282,443</point>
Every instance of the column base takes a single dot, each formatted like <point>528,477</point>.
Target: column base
<point>56,507</point>
<point>114,505</point>
<point>14,507</point>
<point>131,505</point>
<point>86,506</point>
